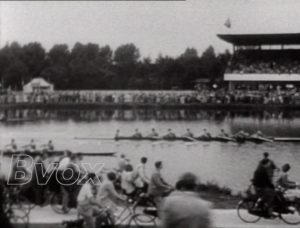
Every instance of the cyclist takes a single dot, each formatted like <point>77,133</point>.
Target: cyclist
<point>283,181</point>
<point>87,204</point>
<point>38,179</point>
<point>70,173</point>
<point>142,181</point>
<point>158,187</point>
<point>108,196</point>
<point>127,181</point>
<point>123,161</point>
<point>292,191</point>
<point>270,165</point>
<point>264,186</point>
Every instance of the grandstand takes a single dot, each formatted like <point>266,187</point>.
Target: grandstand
<point>263,61</point>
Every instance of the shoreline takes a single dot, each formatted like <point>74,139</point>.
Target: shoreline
<point>128,106</point>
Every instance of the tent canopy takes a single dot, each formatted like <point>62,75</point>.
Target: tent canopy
<point>38,85</point>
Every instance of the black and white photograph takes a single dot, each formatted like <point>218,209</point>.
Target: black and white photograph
<point>150,114</point>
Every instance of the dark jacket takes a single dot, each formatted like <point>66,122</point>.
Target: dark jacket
<point>262,179</point>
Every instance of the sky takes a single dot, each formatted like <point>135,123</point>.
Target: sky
<point>155,27</point>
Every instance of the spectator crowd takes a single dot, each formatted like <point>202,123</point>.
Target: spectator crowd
<point>265,62</point>
<point>205,96</point>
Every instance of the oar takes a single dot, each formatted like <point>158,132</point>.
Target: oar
<point>91,138</point>
<point>263,139</point>
<point>192,140</point>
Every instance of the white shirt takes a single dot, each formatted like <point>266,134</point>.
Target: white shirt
<point>64,163</point>
<point>141,176</point>
<point>127,182</point>
<point>85,192</point>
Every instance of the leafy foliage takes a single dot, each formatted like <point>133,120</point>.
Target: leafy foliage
<point>90,66</point>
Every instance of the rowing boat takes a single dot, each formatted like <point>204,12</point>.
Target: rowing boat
<point>170,139</point>
<point>286,139</point>
<point>54,153</point>
<point>201,139</point>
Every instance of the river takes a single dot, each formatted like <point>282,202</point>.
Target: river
<point>228,164</point>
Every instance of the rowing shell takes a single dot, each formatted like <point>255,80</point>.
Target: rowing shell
<point>287,139</point>
<point>55,153</point>
<point>184,138</point>
<point>195,139</point>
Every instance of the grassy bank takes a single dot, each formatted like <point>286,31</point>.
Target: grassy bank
<point>221,197</point>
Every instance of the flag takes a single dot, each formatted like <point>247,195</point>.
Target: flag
<point>227,23</point>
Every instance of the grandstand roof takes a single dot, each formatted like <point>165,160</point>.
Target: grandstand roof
<point>263,77</point>
<point>262,39</point>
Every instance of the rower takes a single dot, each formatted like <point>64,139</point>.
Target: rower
<point>241,134</point>
<point>257,134</point>
<point>206,134</point>
<point>12,146</point>
<point>153,133</point>
<point>31,146</point>
<point>169,135</point>
<point>137,134</point>
<point>188,134</point>
<point>49,146</point>
<point>223,133</point>
<point>117,135</point>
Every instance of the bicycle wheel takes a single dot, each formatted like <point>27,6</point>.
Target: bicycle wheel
<point>243,209</point>
<point>146,206</point>
<point>56,204</point>
<point>293,217</point>
<point>23,222</point>
<point>139,221</point>
<point>17,208</point>
<point>25,204</point>
<point>104,220</point>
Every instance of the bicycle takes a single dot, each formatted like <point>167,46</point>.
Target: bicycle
<point>16,207</point>
<point>252,208</point>
<point>128,217</point>
<point>73,190</point>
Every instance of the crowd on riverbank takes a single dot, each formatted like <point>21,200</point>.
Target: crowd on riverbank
<point>105,189</point>
<point>205,96</point>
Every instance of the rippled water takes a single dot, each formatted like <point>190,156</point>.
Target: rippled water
<point>228,164</point>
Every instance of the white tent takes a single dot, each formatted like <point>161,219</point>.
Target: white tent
<point>38,85</point>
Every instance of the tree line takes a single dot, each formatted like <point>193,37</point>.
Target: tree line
<point>90,66</point>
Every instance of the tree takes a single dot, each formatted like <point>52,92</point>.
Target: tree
<point>142,78</point>
<point>105,55</point>
<point>59,55</point>
<point>189,53</point>
<point>88,68</point>
<point>13,70</point>
<point>209,64</point>
<point>125,62</point>
<point>57,70</point>
<point>34,56</point>
<point>126,54</point>
<point>14,75</point>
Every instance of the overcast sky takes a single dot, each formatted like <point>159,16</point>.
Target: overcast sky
<point>154,27</point>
